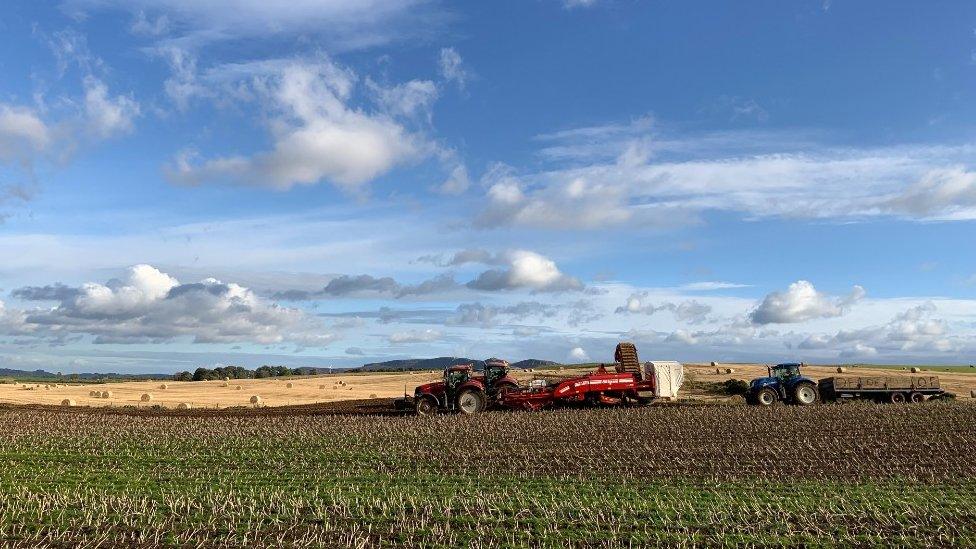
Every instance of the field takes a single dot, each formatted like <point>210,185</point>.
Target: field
<point>676,475</point>
<point>344,387</point>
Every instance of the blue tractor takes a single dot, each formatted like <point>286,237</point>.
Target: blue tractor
<point>784,383</point>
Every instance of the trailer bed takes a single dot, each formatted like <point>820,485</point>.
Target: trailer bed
<point>879,387</point>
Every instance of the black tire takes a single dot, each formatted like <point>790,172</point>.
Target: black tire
<point>897,398</point>
<point>766,396</point>
<point>916,398</point>
<point>805,394</point>
<point>425,406</point>
<point>471,401</point>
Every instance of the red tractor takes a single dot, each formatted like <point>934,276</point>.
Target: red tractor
<point>462,390</point>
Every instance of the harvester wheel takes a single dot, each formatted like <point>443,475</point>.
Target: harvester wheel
<point>471,401</point>
<point>805,394</point>
<point>897,398</point>
<point>425,407</point>
<point>916,397</point>
<point>766,396</point>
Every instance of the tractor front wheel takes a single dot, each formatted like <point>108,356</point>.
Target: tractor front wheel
<point>766,396</point>
<point>425,407</point>
<point>805,394</point>
<point>471,401</point>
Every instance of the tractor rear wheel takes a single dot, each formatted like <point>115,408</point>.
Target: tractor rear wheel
<point>425,407</point>
<point>471,401</point>
<point>897,398</point>
<point>766,396</point>
<point>805,394</point>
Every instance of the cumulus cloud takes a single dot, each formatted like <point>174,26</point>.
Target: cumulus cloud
<point>578,354</point>
<point>912,331</point>
<point>452,67</point>
<point>687,311</point>
<point>368,285</point>
<point>478,314</point>
<point>409,99</point>
<point>152,306</point>
<point>802,302</point>
<point>317,135</point>
<point>525,269</point>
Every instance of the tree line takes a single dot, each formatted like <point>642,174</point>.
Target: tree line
<point>239,372</point>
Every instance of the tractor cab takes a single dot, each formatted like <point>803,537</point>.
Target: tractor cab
<point>455,376</point>
<point>496,370</point>
<point>785,372</point>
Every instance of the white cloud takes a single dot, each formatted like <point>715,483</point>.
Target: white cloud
<point>22,134</point>
<point>152,306</point>
<point>578,354</point>
<point>457,181</point>
<point>802,302</point>
<point>570,4</point>
<point>525,269</point>
<point>317,136</point>
<point>409,99</point>
<point>686,311</point>
<point>452,67</point>
<point>711,285</point>
<point>415,336</point>
<point>915,330</point>
<point>108,116</point>
<point>633,174</point>
<point>941,193</point>
<point>339,24</point>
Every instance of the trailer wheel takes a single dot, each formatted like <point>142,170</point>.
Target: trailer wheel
<point>896,398</point>
<point>766,396</point>
<point>425,407</point>
<point>471,401</point>
<point>916,397</point>
<point>805,394</point>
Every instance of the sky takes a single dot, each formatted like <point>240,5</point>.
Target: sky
<point>191,183</point>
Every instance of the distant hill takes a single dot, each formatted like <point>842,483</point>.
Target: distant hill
<point>440,363</point>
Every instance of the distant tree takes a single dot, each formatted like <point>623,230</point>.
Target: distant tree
<point>204,374</point>
<point>182,376</point>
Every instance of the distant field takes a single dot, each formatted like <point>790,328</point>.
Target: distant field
<point>703,385</point>
<point>704,475</point>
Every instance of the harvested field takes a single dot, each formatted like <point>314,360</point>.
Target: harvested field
<point>855,474</point>
<point>342,387</point>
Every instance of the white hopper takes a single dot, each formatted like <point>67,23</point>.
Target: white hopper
<point>668,377</point>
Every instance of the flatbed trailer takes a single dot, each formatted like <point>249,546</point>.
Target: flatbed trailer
<point>894,389</point>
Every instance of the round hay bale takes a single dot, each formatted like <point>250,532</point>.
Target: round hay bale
<point>93,393</point>
<point>972,393</point>
<point>67,402</point>
<point>335,386</point>
<point>226,378</point>
<point>916,370</point>
<point>225,384</point>
<point>183,406</point>
<point>290,385</point>
<point>729,371</point>
<point>106,394</point>
<point>255,399</point>
<point>841,369</point>
<point>164,386</point>
<point>714,364</point>
<point>373,395</point>
<point>238,388</point>
<point>321,386</point>
<point>146,397</point>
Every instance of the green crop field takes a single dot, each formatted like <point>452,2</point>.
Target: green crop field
<point>674,475</point>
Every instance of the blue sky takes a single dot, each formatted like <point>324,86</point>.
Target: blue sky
<point>328,182</point>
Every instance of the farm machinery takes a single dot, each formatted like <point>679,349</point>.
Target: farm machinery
<point>629,382</point>
<point>783,383</point>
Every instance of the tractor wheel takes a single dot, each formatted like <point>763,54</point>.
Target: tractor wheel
<point>916,397</point>
<point>766,396</point>
<point>805,394</point>
<point>897,398</point>
<point>425,407</point>
<point>471,401</point>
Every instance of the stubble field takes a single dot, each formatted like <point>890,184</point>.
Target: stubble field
<point>676,475</point>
